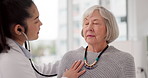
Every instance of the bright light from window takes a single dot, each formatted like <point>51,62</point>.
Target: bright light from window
<point>49,17</point>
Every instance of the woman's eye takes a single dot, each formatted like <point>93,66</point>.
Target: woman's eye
<point>96,23</point>
<point>36,21</point>
<point>86,22</point>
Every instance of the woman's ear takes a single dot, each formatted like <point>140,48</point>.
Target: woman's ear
<point>18,29</point>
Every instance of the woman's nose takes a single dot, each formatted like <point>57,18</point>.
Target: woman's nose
<point>41,23</point>
<point>90,27</point>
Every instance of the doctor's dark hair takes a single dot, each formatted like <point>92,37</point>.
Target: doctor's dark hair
<point>12,12</point>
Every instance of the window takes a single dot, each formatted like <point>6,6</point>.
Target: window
<point>51,44</point>
<point>61,29</point>
<point>118,8</point>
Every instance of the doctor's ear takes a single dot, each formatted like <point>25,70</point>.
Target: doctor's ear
<point>18,29</point>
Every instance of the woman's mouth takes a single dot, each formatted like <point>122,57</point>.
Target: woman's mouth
<point>90,35</point>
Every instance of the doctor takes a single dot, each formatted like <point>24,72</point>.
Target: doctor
<point>19,22</point>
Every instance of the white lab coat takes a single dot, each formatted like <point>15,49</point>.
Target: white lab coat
<point>15,64</point>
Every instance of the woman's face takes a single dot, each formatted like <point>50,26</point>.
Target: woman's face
<point>33,23</point>
<point>94,29</point>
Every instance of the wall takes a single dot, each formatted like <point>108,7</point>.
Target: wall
<point>142,29</point>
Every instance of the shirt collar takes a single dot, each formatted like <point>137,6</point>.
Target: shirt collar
<point>25,51</point>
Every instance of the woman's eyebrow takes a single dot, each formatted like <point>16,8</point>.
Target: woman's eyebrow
<point>96,19</point>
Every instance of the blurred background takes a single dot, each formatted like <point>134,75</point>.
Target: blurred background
<point>62,24</point>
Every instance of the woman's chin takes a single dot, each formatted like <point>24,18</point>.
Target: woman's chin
<point>36,38</point>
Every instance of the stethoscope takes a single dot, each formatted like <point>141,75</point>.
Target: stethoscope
<point>27,46</point>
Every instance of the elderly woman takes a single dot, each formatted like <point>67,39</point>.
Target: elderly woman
<point>101,60</point>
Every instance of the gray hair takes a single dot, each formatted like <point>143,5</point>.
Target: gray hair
<point>110,21</point>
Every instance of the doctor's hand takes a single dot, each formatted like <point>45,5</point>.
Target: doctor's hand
<point>74,71</point>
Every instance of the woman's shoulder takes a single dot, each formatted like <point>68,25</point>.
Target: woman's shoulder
<point>119,57</point>
<point>74,52</point>
<point>78,50</point>
<point>116,53</point>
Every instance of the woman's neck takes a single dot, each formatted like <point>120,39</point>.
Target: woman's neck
<point>19,40</point>
<point>96,47</point>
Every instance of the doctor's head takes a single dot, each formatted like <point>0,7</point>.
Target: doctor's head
<point>99,26</point>
<point>17,17</point>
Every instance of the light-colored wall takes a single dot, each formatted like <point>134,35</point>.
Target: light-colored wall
<point>142,29</point>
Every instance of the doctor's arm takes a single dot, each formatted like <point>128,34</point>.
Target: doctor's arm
<point>72,72</point>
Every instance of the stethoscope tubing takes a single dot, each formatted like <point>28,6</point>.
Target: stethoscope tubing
<point>39,72</point>
<point>34,66</point>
